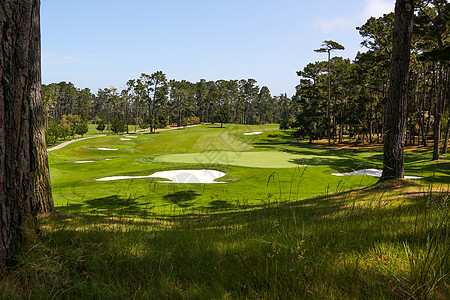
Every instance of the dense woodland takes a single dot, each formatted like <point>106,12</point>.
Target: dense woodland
<point>152,101</point>
<point>357,89</point>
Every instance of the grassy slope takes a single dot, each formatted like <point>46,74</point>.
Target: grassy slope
<point>140,239</point>
<point>389,241</point>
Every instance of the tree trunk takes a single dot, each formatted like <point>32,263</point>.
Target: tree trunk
<point>447,132</point>
<point>22,146</point>
<point>328,101</point>
<point>396,106</point>
<point>439,111</point>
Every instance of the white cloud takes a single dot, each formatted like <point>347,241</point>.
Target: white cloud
<point>373,8</point>
<point>377,8</point>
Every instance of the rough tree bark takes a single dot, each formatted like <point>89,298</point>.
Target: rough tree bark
<point>23,159</point>
<point>396,106</point>
<point>438,112</point>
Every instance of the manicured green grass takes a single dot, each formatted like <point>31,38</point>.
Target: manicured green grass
<point>271,232</point>
<point>258,172</point>
<point>263,159</point>
<point>260,168</point>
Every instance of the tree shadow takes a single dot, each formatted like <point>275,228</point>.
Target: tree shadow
<point>181,198</point>
<point>220,204</point>
<point>113,202</point>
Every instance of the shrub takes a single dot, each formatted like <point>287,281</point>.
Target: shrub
<point>117,126</point>
<point>194,120</point>
<point>101,126</point>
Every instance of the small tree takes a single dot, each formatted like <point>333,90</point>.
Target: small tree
<point>64,127</point>
<point>117,126</point>
<point>81,128</point>
<point>52,133</point>
<point>222,115</point>
<point>97,120</point>
<point>100,126</point>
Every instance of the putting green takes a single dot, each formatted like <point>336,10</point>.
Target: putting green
<point>263,159</point>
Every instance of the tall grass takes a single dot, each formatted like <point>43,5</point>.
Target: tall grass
<point>388,241</point>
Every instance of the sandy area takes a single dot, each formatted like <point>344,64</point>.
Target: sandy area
<point>253,133</point>
<point>370,172</point>
<point>177,176</point>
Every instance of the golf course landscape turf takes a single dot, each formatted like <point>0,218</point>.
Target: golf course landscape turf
<point>261,168</point>
<point>270,221</point>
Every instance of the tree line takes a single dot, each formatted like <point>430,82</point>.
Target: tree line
<point>359,88</point>
<point>152,101</point>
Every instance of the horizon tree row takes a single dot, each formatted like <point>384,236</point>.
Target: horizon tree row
<point>152,101</point>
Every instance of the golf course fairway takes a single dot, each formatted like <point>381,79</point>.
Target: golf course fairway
<point>267,167</point>
<point>264,159</point>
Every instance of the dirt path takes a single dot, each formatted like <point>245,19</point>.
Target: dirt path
<point>62,145</point>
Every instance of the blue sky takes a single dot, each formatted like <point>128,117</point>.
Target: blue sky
<point>104,43</point>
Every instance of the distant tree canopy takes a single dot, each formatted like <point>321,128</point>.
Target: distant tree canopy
<point>152,101</point>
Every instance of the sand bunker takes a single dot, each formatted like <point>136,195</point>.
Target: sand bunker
<point>178,176</point>
<point>122,139</point>
<point>253,133</point>
<point>370,172</point>
<point>108,149</point>
<point>131,136</point>
<point>83,161</point>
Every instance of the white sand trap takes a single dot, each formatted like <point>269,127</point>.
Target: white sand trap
<point>131,136</point>
<point>253,133</point>
<point>370,172</point>
<point>83,161</point>
<point>122,139</point>
<point>108,149</point>
<point>178,176</point>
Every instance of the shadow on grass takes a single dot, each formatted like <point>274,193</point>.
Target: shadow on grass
<point>220,204</point>
<point>113,202</point>
<point>258,250</point>
<point>181,198</point>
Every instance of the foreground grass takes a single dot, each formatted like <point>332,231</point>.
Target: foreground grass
<point>388,241</point>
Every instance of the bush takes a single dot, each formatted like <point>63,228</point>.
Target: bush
<point>183,123</point>
<point>117,126</point>
<point>284,124</point>
<point>101,126</point>
<point>194,120</point>
<point>52,133</point>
